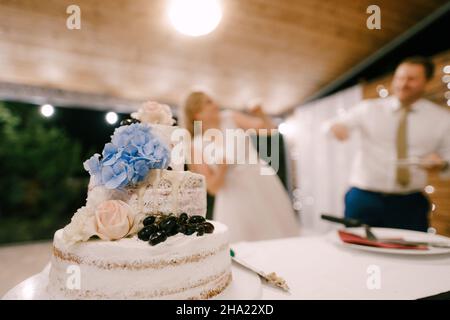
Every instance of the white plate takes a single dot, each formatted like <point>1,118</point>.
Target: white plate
<point>393,233</point>
<point>244,286</point>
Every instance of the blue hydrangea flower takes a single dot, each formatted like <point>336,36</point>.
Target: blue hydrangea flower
<point>132,152</point>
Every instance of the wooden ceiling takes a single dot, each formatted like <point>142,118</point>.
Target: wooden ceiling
<point>280,51</point>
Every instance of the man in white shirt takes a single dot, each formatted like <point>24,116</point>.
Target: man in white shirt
<point>402,137</point>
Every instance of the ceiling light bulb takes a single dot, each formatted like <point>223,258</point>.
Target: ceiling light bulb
<point>195,17</point>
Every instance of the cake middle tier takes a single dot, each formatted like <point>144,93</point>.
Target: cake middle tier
<point>162,192</point>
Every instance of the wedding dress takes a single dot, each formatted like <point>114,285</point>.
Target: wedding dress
<point>253,206</point>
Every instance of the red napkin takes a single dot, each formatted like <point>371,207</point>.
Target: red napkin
<point>355,239</point>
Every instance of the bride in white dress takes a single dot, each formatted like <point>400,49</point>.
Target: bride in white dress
<point>253,206</point>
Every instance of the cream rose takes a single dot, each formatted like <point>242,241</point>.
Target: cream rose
<point>114,219</point>
<point>82,226</point>
<point>154,113</point>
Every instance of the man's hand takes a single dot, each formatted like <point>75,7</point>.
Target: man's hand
<point>433,162</point>
<point>340,131</point>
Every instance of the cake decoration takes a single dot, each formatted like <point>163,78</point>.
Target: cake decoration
<point>133,151</point>
<point>154,113</point>
<point>114,219</point>
<point>129,183</point>
<point>158,228</point>
<point>128,121</point>
<point>127,159</point>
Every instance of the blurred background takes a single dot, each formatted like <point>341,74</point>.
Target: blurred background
<point>63,90</point>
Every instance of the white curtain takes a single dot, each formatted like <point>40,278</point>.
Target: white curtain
<point>321,164</point>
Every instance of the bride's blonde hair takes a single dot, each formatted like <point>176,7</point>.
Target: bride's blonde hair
<point>192,105</point>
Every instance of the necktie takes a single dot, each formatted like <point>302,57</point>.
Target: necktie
<point>403,176</point>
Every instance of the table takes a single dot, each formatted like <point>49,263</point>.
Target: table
<point>314,268</point>
<point>20,261</point>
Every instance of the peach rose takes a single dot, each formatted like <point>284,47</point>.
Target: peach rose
<point>114,219</point>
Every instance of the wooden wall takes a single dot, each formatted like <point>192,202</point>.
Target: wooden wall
<point>440,197</point>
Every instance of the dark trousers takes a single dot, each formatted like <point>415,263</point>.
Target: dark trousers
<point>388,211</point>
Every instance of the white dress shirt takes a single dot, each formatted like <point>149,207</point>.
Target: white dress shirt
<point>377,120</point>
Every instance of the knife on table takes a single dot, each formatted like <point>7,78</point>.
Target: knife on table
<point>349,223</point>
<point>271,278</point>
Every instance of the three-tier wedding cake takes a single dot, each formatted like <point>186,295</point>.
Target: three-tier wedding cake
<point>142,233</point>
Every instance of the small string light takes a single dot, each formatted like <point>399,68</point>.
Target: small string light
<point>47,110</point>
<point>111,117</point>
<point>429,189</point>
<point>382,91</point>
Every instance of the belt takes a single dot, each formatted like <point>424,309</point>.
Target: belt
<point>390,194</point>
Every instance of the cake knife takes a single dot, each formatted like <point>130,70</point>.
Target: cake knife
<point>271,278</point>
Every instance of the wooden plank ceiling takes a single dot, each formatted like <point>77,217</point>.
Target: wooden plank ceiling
<point>280,51</point>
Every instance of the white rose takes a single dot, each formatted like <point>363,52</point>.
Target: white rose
<point>154,113</point>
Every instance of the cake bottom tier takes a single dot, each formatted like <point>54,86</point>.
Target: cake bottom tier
<point>183,267</point>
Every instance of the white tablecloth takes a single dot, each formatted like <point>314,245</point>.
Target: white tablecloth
<point>316,268</point>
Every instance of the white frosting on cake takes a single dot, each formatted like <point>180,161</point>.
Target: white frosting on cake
<point>170,192</point>
<point>182,267</point>
<point>163,191</point>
